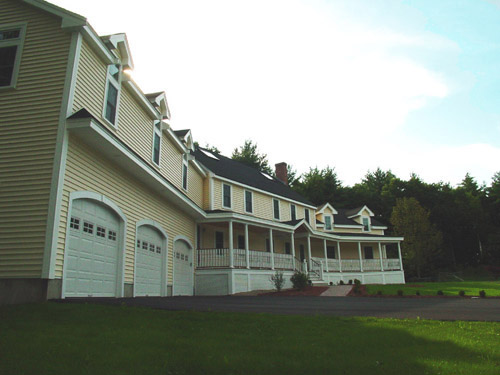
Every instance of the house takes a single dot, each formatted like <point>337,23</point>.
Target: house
<point>100,196</point>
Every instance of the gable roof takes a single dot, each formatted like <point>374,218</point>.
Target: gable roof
<point>344,217</point>
<point>321,208</point>
<point>357,211</point>
<point>234,170</point>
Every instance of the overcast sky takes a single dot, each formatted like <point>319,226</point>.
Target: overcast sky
<point>410,86</point>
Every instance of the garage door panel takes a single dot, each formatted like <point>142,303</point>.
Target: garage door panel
<point>150,258</point>
<point>183,269</point>
<point>91,259</point>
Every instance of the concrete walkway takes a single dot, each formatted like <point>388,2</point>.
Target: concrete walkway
<point>337,291</point>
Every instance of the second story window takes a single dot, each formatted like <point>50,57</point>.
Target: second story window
<point>306,215</point>
<point>328,222</point>
<point>293,212</point>
<point>248,201</point>
<point>184,172</point>
<point>276,209</point>
<point>226,196</point>
<point>112,93</point>
<point>366,224</point>
<point>11,44</point>
<point>157,143</point>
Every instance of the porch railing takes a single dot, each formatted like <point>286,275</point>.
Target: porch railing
<point>349,265</point>
<point>260,259</point>
<point>391,265</point>
<point>371,264</point>
<point>283,261</point>
<point>212,258</point>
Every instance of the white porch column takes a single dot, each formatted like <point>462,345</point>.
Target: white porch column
<point>247,248</point>
<point>326,255</point>
<point>271,247</point>
<point>400,258</point>
<point>360,257</point>
<point>309,250</point>
<point>231,255</point>
<point>292,244</point>
<point>380,256</point>
<point>340,259</point>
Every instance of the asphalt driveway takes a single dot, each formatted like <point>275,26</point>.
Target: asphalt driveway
<point>479,309</point>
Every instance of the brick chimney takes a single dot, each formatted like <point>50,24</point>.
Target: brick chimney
<point>281,172</point>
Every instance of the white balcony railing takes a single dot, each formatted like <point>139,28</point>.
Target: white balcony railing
<point>371,264</point>
<point>212,258</point>
<point>391,264</point>
<point>283,261</point>
<point>349,265</point>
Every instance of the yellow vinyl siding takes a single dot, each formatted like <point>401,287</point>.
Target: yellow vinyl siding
<point>348,230</point>
<point>171,161</point>
<point>195,186</point>
<point>27,141</point>
<point>89,171</point>
<point>206,193</point>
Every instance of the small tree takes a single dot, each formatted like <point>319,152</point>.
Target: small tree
<point>248,154</point>
<point>278,280</point>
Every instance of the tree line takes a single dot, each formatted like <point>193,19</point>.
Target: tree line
<point>445,227</point>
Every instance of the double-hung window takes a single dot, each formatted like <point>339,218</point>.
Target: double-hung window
<point>293,212</point>
<point>306,215</point>
<point>276,209</point>
<point>185,172</point>
<point>112,93</point>
<point>219,240</point>
<point>248,201</point>
<point>366,224</point>
<point>11,46</point>
<point>328,222</point>
<point>157,143</point>
<point>226,196</point>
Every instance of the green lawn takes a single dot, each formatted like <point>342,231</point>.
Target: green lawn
<point>54,338</point>
<point>471,288</point>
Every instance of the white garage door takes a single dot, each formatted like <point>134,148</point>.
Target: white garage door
<point>92,251</point>
<point>183,269</point>
<point>149,262</point>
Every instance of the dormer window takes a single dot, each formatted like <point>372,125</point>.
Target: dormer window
<point>112,93</point>
<point>157,143</point>
<point>366,224</point>
<point>184,172</point>
<point>293,212</point>
<point>226,196</point>
<point>276,209</point>
<point>328,222</point>
<point>11,45</point>
<point>306,215</point>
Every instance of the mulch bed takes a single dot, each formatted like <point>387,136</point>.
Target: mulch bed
<point>362,293</point>
<point>307,291</point>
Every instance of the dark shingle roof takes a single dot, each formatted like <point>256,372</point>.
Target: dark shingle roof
<point>376,223</point>
<point>341,219</point>
<point>358,235</point>
<point>292,222</point>
<point>181,133</point>
<point>239,172</point>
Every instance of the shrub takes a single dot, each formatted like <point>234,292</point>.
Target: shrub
<point>341,282</point>
<point>331,283</point>
<point>278,280</point>
<point>357,282</point>
<point>461,293</point>
<point>400,292</point>
<point>357,287</point>
<point>417,293</point>
<point>349,282</point>
<point>379,292</point>
<point>440,293</point>
<point>300,280</point>
<point>482,294</point>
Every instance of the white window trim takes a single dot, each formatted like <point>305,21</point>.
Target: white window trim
<point>19,42</point>
<point>363,225</point>
<point>230,196</point>
<point>251,208</point>
<point>185,163</point>
<point>118,86</point>
<point>158,132</point>
<point>279,209</point>
<point>331,222</point>
<point>291,210</point>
